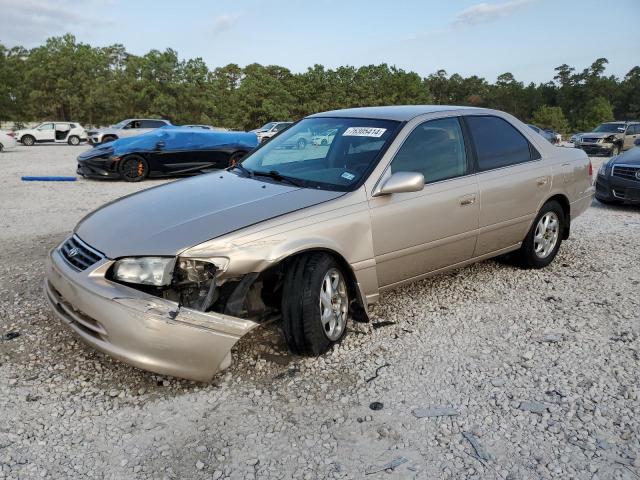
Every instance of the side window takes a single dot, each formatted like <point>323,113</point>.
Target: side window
<point>435,149</point>
<point>498,143</point>
<point>282,126</point>
<point>634,129</point>
<point>46,126</point>
<point>151,124</point>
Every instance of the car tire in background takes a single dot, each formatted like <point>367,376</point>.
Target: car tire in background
<point>28,140</point>
<point>108,138</point>
<point>543,240</point>
<point>236,158</point>
<point>133,168</point>
<point>315,304</point>
<point>73,140</point>
<point>302,144</point>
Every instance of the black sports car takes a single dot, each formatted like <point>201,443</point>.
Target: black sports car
<point>618,179</point>
<point>165,151</point>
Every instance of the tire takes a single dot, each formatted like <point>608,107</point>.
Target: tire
<point>134,168</point>
<point>73,140</point>
<point>615,150</point>
<point>303,307</point>
<point>543,240</point>
<point>235,158</point>
<point>108,138</point>
<point>302,144</point>
<point>28,140</point>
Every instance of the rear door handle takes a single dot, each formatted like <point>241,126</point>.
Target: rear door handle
<point>467,200</point>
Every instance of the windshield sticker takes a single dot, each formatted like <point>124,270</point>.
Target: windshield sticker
<point>348,176</point>
<point>364,132</point>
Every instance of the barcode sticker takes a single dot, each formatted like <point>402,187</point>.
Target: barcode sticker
<point>364,132</point>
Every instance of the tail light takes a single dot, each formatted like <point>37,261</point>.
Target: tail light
<point>590,169</point>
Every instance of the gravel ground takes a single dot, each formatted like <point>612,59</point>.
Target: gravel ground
<point>530,374</point>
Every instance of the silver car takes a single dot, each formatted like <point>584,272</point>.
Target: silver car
<point>126,128</point>
<point>170,278</point>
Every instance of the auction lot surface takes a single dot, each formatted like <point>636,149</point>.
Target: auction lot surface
<point>541,367</point>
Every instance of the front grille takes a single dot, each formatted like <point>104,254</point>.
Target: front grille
<point>589,140</point>
<point>626,172</point>
<point>78,254</point>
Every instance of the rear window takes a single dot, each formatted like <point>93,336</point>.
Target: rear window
<point>498,143</point>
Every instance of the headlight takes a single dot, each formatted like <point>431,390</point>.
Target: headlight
<point>603,169</point>
<point>194,282</point>
<point>155,271</point>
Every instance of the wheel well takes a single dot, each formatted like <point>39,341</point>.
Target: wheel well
<point>566,207</point>
<point>358,310</point>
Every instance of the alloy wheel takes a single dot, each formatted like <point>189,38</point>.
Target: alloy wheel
<point>334,304</point>
<point>546,235</point>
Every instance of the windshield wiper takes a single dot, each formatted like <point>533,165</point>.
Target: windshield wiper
<point>244,169</point>
<point>276,176</point>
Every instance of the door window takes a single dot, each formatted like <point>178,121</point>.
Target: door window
<point>46,126</point>
<point>435,149</point>
<point>498,143</point>
<point>151,124</point>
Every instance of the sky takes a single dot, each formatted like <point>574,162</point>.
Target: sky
<point>528,38</point>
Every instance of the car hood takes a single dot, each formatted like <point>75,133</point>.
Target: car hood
<point>599,134</point>
<point>630,157</point>
<point>165,220</point>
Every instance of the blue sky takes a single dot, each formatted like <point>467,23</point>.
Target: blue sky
<point>525,37</point>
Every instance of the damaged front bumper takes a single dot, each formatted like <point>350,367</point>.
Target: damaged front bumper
<point>140,329</point>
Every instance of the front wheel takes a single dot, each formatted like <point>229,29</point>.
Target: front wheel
<point>28,140</point>
<point>315,304</point>
<point>543,241</point>
<point>134,168</point>
<point>73,140</point>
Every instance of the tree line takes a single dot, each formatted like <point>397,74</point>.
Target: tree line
<point>68,80</point>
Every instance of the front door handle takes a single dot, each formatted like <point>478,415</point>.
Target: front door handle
<point>467,200</point>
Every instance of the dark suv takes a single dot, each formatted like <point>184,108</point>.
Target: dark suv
<point>609,138</point>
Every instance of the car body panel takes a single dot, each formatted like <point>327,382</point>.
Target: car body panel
<point>384,240</point>
<point>7,140</point>
<point>168,151</point>
<point>131,128</point>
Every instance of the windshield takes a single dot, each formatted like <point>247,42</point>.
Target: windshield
<point>610,128</point>
<point>337,164</point>
<point>120,124</point>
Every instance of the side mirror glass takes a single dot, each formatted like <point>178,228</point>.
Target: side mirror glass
<point>402,182</point>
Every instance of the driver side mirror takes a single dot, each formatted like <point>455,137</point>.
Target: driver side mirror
<point>401,182</point>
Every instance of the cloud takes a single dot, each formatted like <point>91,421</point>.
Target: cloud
<point>486,12</point>
<point>225,22</point>
<point>30,22</point>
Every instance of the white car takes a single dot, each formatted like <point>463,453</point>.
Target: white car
<point>53,132</point>
<point>7,140</point>
<point>324,138</point>
<point>268,130</point>
<point>130,127</point>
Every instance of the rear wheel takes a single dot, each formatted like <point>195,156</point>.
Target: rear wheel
<point>134,168</point>
<point>543,241</point>
<point>73,140</point>
<point>108,138</point>
<point>315,304</point>
<point>28,140</point>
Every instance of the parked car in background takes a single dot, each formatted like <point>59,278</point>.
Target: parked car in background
<point>300,140</point>
<point>557,136</point>
<point>268,130</point>
<point>7,140</point>
<point>575,137</point>
<point>609,138</point>
<point>52,132</point>
<point>325,137</point>
<point>165,151</point>
<point>126,128</point>
<point>168,279</point>
<point>550,137</point>
<point>618,180</point>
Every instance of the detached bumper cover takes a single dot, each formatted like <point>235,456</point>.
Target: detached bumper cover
<point>138,328</point>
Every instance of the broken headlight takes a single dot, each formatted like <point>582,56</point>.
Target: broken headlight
<point>156,271</point>
<point>194,281</point>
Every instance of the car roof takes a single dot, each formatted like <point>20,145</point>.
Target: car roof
<point>400,113</point>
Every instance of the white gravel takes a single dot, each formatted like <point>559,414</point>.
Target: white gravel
<point>536,373</point>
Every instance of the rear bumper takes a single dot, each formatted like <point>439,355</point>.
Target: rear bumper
<point>137,328</point>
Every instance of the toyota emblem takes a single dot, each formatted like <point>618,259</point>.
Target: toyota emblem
<point>73,252</point>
